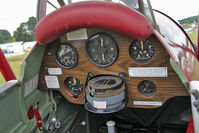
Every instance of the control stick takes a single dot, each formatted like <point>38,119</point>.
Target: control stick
<point>111,126</point>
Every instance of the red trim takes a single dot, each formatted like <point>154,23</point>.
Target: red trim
<point>185,49</point>
<point>30,113</point>
<point>190,128</point>
<point>198,38</point>
<point>68,92</point>
<point>107,15</point>
<point>38,116</point>
<point>5,68</point>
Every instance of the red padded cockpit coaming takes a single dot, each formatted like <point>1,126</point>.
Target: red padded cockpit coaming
<point>92,14</point>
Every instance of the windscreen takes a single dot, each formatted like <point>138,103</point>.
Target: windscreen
<point>175,36</point>
<point>53,4</point>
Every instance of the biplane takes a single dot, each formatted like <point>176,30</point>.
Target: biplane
<point>112,66</point>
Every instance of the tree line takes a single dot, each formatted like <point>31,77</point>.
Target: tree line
<point>189,20</point>
<point>23,33</point>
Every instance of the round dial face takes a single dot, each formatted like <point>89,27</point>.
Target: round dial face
<point>142,51</point>
<point>147,88</point>
<point>102,49</point>
<point>73,86</point>
<point>66,55</point>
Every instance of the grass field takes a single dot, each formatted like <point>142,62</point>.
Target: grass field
<point>15,64</point>
<point>193,36</point>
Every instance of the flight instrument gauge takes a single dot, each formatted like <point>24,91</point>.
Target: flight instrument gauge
<point>147,88</point>
<point>142,51</point>
<point>73,86</point>
<point>102,49</point>
<point>66,55</point>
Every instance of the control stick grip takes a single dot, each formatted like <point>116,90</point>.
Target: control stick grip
<point>111,126</point>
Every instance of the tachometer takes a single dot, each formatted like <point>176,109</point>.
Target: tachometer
<point>142,51</point>
<point>102,49</point>
<point>66,55</point>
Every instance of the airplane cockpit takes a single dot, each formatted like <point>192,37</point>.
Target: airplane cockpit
<point>106,67</point>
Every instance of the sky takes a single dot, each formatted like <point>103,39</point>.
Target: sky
<point>177,9</point>
<point>13,12</point>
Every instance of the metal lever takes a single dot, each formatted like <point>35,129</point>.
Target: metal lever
<point>53,122</point>
<point>37,116</point>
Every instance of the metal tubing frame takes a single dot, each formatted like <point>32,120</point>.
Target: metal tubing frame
<point>5,68</point>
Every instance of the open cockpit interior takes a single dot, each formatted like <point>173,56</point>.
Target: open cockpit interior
<point>104,67</point>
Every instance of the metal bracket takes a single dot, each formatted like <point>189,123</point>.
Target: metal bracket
<point>53,123</point>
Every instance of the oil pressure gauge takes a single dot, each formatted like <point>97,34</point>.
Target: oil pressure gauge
<point>73,86</point>
<point>142,51</point>
<point>147,88</point>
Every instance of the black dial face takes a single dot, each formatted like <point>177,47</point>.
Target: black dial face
<point>73,86</point>
<point>147,88</point>
<point>102,49</point>
<point>142,51</point>
<point>66,55</point>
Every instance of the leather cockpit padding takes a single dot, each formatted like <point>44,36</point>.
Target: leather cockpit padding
<point>107,15</point>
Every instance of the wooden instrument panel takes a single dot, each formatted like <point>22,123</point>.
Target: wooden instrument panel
<point>166,87</point>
